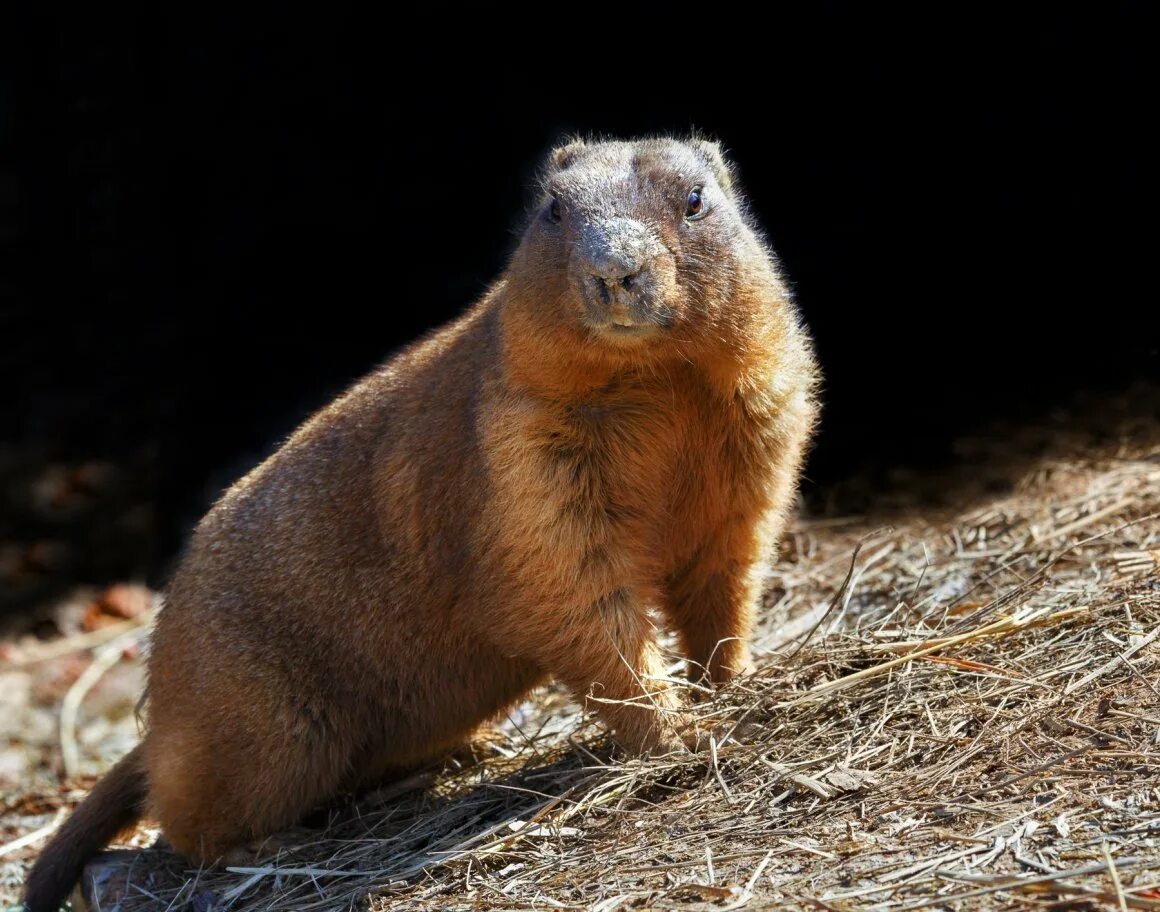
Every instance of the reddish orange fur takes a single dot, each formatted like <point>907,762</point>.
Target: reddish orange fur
<point>502,502</point>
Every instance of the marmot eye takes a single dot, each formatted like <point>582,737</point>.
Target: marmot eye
<point>695,204</point>
<point>554,210</point>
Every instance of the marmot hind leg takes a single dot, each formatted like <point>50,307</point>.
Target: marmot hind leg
<point>217,794</point>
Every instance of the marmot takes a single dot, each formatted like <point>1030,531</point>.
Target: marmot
<point>616,427</point>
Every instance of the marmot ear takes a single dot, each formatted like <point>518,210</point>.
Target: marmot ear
<point>563,156</point>
<point>711,153</point>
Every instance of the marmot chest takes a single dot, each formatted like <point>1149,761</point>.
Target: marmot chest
<point>662,462</point>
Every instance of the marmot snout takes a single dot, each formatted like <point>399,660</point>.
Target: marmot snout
<point>612,434</point>
<point>623,273</point>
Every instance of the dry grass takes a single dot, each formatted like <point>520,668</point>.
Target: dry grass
<point>958,711</point>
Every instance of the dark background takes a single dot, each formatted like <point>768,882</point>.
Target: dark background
<point>211,227</point>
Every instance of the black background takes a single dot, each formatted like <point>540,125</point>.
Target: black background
<point>212,226</point>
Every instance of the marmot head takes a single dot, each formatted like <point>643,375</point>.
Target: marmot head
<point>637,242</point>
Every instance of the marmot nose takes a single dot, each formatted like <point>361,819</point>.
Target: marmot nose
<point>622,278</point>
<point>614,268</point>
<point>615,252</point>
<point>611,272</point>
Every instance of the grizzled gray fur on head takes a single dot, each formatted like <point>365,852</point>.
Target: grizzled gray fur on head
<point>641,237</point>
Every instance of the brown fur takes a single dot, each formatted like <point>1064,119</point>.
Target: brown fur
<point>505,501</point>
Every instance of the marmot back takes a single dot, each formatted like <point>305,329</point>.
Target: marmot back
<point>615,428</point>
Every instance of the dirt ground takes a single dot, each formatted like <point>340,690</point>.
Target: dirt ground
<point>957,707</point>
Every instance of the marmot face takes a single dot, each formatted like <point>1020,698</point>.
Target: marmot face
<point>636,242</point>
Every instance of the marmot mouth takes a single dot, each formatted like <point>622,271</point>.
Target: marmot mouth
<point>626,330</point>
